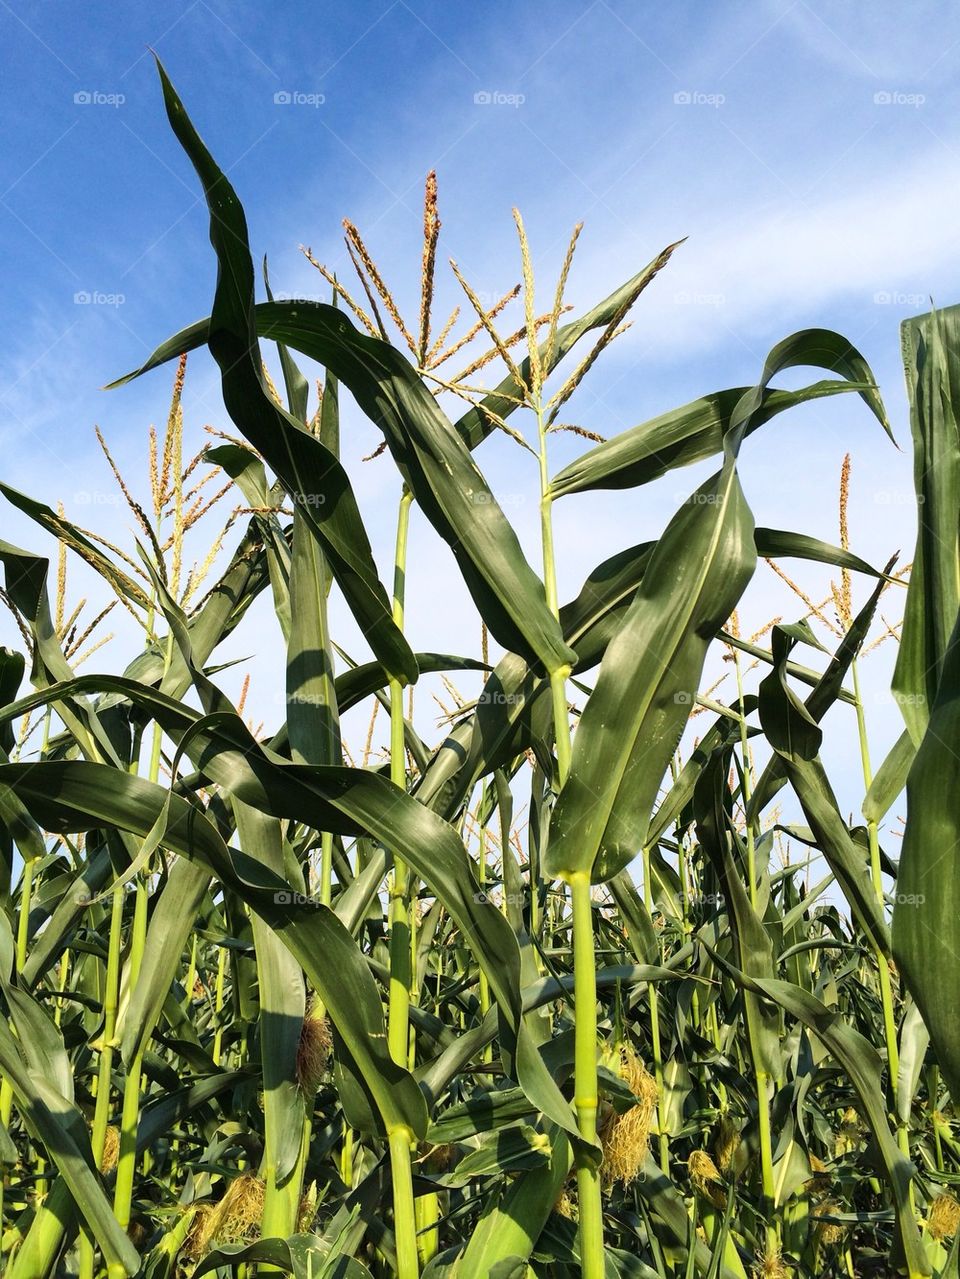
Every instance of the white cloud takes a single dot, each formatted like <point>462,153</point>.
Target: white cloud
<point>859,37</point>
<point>887,244</point>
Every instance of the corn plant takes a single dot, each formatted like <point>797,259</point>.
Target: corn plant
<point>554,995</point>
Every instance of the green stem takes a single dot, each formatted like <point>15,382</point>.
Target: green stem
<point>399,891</point>
<point>482,878</point>
<point>127,1158</point>
<point>655,1031</point>
<point>218,1005</point>
<point>111,993</point>
<point>401,967</point>
<point>346,1158</point>
<point>326,868</point>
<point>586,1098</point>
<point>404,1211</point>
<point>584,958</point>
<point>104,1078</point>
<point>130,1115</point>
<point>761,1077</point>
<point>768,1205</point>
<point>883,968</point>
<point>6,1088</point>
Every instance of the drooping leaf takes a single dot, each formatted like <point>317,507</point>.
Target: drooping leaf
<point>818,702</point>
<point>311,474</point>
<point>697,430</point>
<point>73,795</point>
<point>432,457</point>
<point>794,734</point>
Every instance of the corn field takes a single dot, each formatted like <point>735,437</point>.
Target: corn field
<point>602,982</point>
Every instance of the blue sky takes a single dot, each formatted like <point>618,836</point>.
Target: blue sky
<point>809,151</point>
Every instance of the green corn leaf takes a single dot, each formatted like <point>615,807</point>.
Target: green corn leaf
<point>861,1063</point>
<point>359,682</point>
<point>500,1153</point>
<point>913,1043</point>
<point>53,1224</point>
<point>161,1115</point>
<point>931,356</point>
<point>487,1110</point>
<point>300,1256</point>
<point>297,386</point>
<point>476,424</point>
<point>817,703</point>
<point>173,919</point>
<point>666,1203</point>
<point>313,719</point>
<point>66,532</point>
<point>310,473</point>
<point>636,918</point>
<point>437,467</point>
<point>26,583</point>
<point>633,720</point>
<point>678,797</point>
<point>889,779</point>
<point>697,430</point>
<point>61,922</point>
<point>433,458</point>
<point>73,795</point>
<point>778,544</point>
<point>752,944</point>
<point>926,917</point>
<point>282,1008</point>
<point>794,734</point>
<point>511,1223</point>
<point>353,801</point>
<point>62,1128</point>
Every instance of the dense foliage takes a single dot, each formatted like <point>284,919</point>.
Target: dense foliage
<point>267,1008</point>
